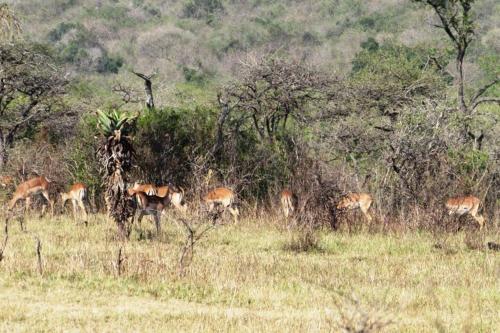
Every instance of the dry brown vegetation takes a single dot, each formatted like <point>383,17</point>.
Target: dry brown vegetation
<point>245,276</point>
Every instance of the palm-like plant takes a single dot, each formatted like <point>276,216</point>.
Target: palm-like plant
<point>116,155</point>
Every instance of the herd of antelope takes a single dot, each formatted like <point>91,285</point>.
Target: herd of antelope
<point>153,200</point>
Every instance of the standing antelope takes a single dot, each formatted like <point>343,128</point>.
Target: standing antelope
<point>77,194</point>
<point>288,202</point>
<point>351,201</point>
<point>465,205</point>
<point>29,188</point>
<point>224,197</point>
<point>149,205</point>
<point>175,194</point>
<point>149,189</point>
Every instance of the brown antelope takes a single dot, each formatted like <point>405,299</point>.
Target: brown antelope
<point>224,197</point>
<point>149,205</point>
<point>351,201</point>
<point>465,205</point>
<point>149,189</point>
<point>30,188</point>
<point>175,194</point>
<point>288,202</point>
<point>77,194</point>
<point>6,181</point>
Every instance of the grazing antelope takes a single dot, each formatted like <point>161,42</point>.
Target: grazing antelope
<point>77,194</point>
<point>351,201</point>
<point>149,205</point>
<point>30,188</point>
<point>465,205</point>
<point>6,181</point>
<point>288,202</point>
<point>224,197</point>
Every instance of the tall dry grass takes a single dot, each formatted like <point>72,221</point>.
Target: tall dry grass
<point>246,277</point>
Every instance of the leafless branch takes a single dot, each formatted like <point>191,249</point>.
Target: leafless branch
<point>148,87</point>
<point>483,89</point>
<point>39,254</point>
<point>6,238</point>
<point>192,237</point>
<point>485,100</point>
<point>119,261</point>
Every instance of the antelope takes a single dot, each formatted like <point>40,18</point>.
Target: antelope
<point>176,196</point>
<point>224,197</point>
<point>149,205</point>
<point>465,205</point>
<point>6,181</point>
<point>149,189</point>
<point>288,202</point>
<point>30,188</point>
<point>352,201</point>
<point>77,194</point>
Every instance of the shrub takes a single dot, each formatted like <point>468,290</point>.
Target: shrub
<point>109,64</point>
<point>370,45</point>
<point>303,240</point>
<point>202,9</point>
<point>62,28</point>
<point>196,76</point>
<point>170,139</point>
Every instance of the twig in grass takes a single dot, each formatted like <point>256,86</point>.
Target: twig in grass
<point>6,238</point>
<point>354,318</point>
<point>21,223</point>
<point>39,254</point>
<point>192,237</point>
<point>119,261</point>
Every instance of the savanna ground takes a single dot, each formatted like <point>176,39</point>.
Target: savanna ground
<point>244,277</point>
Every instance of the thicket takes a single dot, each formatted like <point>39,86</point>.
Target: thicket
<point>390,127</point>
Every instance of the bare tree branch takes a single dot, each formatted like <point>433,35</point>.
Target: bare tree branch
<point>485,100</point>
<point>483,89</point>
<point>148,87</point>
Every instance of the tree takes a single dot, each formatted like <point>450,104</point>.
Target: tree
<point>148,88</point>
<point>272,90</point>
<point>456,19</point>
<point>30,91</point>
<point>115,153</point>
<point>388,77</point>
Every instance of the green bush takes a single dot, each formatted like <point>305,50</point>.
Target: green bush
<point>202,9</point>
<point>62,28</point>
<point>369,45</point>
<point>195,76</point>
<point>169,139</point>
<point>73,53</point>
<point>108,64</point>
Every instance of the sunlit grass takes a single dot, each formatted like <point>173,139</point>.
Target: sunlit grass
<point>243,278</point>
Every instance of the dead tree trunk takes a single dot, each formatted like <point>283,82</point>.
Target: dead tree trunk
<point>460,69</point>
<point>148,87</point>
<point>3,151</point>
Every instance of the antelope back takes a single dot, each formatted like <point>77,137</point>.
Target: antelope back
<point>219,195</point>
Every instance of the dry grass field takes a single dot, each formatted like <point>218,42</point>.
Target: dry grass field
<point>244,278</point>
